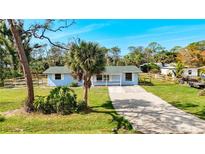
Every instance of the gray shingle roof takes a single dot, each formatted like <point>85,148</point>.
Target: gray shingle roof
<point>121,69</point>
<point>108,69</point>
<point>57,69</point>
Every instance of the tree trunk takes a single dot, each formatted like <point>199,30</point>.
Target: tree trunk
<point>24,62</point>
<point>86,86</point>
<point>85,97</point>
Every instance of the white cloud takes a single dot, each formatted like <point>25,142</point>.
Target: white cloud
<point>71,33</point>
<point>181,39</point>
<point>177,28</point>
<point>163,32</point>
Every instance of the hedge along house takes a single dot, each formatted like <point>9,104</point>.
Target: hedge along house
<point>113,75</point>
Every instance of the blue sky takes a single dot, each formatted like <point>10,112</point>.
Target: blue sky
<point>124,33</point>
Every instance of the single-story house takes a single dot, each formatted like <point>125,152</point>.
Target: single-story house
<point>166,70</point>
<point>187,71</point>
<point>202,71</point>
<point>58,76</point>
<point>192,72</point>
<point>113,75</point>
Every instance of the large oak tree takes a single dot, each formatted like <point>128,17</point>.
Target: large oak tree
<point>38,31</point>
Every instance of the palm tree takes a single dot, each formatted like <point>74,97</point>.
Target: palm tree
<point>86,59</point>
<point>179,70</point>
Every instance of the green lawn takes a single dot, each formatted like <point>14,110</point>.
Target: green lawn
<point>99,120</point>
<point>11,99</point>
<point>181,96</point>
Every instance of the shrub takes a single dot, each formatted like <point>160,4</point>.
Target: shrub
<point>121,123</point>
<point>2,118</point>
<point>145,68</point>
<point>42,105</point>
<point>81,106</point>
<point>73,84</point>
<point>179,70</point>
<point>201,92</point>
<point>151,67</point>
<point>154,71</point>
<point>61,100</point>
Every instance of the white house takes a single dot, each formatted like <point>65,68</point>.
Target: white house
<point>187,71</point>
<point>113,75</point>
<point>168,70</point>
<point>192,72</point>
<point>58,76</point>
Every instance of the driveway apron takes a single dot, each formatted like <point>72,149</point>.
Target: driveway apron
<point>150,114</point>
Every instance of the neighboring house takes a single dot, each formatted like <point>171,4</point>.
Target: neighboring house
<point>187,72</point>
<point>202,71</point>
<point>113,75</point>
<point>192,72</point>
<point>168,70</point>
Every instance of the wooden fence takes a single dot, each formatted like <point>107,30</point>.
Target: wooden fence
<point>41,80</point>
<point>146,78</point>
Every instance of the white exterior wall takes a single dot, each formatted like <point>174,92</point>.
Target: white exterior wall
<point>166,71</point>
<point>194,72</point>
<point>66,79</point>
<point>115,80</point>
<point>115,77</point>
<point>134,79</point>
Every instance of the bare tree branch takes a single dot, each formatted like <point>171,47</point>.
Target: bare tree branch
<point>43,28</point>
<point>54,44</point>
<point>39,30</point>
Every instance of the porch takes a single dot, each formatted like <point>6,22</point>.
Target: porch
<point>120,79</point>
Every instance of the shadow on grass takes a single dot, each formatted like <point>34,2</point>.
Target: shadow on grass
<point>2,118</point>
<point>201,114</point>
<point>6,103</point>
<point>122,123</point>
<point>146,83</point>
<point>106,105</point>
<point>183,105</point>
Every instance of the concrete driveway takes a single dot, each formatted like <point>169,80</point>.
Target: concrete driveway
<point>150,114</point>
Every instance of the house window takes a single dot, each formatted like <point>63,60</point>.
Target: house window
<point>99,77</point>
<point>57,76</point>
<point>128,76</point>
<point>106,77</point>
<point>189,72</point>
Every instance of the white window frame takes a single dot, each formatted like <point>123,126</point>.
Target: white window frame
<point>55,76</point>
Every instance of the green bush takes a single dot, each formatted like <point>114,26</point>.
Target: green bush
<point>81,106</point>
<point>61,100</point>
<point>41,105</point>
<point>73,84</point>
<point>201,92</point>
<point>151,67</point>
<point>2,118</point>
<point>122,123</point>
